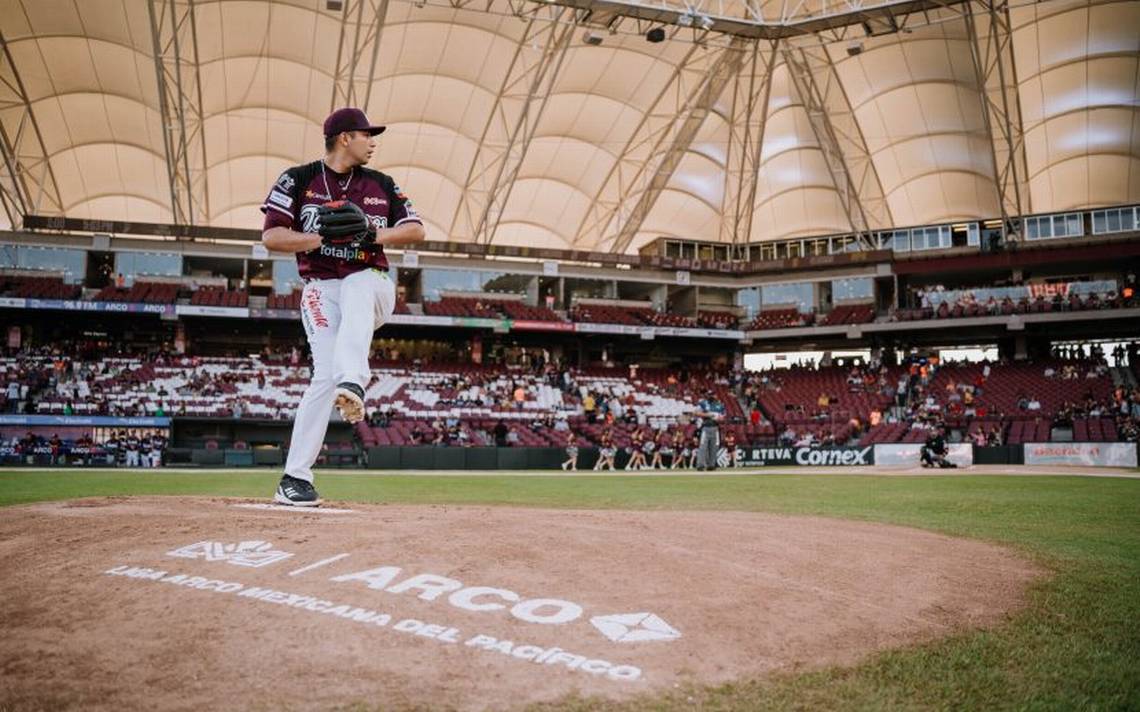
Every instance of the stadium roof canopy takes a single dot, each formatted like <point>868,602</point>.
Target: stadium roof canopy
<point>558,124</point>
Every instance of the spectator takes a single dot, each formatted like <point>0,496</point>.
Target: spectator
<point>589,408</point>
<point>501,432</point>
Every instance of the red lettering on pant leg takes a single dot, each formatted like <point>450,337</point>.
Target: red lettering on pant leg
<point>313,306</point>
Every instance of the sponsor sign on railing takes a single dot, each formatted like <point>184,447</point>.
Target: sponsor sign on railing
<point>910,454</point>
<point>256,313</point>
<point>807,456</point>
<point>82,420</point>
<point>203,310</point>
<point>114,307</point>
<point>527,325</point>
<point>1089,454</point>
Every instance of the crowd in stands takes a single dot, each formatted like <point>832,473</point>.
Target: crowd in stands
<point>535,401</point>
<point>925,302</point>
<point>645,316</point>
<point>938,302</point>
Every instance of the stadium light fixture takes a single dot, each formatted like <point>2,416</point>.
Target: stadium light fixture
<point>591,39</point>
<point>706,22</point>
<point>686,20</point>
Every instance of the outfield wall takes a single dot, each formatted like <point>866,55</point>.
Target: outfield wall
<point>882,455</point>
<point>893,455</point>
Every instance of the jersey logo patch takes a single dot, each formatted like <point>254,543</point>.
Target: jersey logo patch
<point>285,182</point>
<point>309,220</point>
<point>276,196</point>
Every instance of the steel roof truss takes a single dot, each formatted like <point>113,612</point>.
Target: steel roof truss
<point>362,26</point>
<point>837,131</point>
<point>991,44</point>
<point>512,123</point>
<point>27,182</point>
<point>175,38</point>
<point>752,87</point>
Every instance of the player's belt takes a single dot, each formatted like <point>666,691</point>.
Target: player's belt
<point>310,280</point>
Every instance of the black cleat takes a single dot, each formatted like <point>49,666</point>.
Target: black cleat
<point>296,493</point>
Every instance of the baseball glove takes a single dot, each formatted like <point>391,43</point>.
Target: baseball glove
<point>343,223</point>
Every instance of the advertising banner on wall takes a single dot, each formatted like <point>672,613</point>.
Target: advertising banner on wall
<point>1089,454</point>
<point>909,454</point>
<point>806,456</point>
<point>112,307</point>
<point>85,420</point>
<point>204,310</point>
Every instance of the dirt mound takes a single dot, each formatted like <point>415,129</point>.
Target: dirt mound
<point>179,603</point>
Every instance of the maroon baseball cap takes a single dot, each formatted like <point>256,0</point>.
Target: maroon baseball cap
<point>349,119</point>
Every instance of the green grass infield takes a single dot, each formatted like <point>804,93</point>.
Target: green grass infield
<point>1076,646</point>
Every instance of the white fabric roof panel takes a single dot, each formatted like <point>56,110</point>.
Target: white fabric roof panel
<point>795,193</point>
<point>267,73</point>
<point>918,105</point>
<point>1079,74</point>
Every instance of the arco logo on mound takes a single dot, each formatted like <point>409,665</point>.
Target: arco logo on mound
<point>634,627</point>
<point>254,553</point>
<point>617,627</point>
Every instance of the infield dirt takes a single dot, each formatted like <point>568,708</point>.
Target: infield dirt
<point>156,603</point>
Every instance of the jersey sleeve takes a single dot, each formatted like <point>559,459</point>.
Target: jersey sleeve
<point>401,210</point>
<point>279,205</point>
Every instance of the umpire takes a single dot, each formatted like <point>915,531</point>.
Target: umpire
<point>710,413</point>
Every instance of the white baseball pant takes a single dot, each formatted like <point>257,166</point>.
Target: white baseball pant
<point>339,316</point>
<point>132,458</point>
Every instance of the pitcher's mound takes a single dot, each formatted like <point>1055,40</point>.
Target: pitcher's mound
<point>156,603</point>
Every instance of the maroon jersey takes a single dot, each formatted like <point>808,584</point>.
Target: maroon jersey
<point>295,197</point>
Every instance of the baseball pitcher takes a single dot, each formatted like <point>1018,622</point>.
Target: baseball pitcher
<point>337,216</point>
